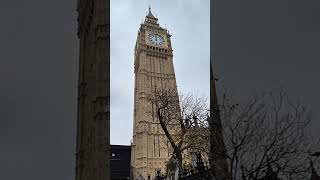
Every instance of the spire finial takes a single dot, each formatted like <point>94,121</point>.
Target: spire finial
<point>149,14</point>
<point>149,2</point>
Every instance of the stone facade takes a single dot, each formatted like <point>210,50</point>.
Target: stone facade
<point>93,119</point>
<point>153,63</point>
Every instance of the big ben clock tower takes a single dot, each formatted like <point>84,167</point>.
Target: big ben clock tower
<point>153,67</point>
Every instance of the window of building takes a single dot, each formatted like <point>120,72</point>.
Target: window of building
<point>194,159</point>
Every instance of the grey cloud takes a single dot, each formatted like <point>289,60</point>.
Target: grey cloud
<point>191,52</point>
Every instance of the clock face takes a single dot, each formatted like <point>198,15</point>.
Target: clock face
<point>156,39</point>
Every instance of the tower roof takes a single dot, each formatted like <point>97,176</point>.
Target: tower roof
<point>150,15</point>
<point>151,19</point>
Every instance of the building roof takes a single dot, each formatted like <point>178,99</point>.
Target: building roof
<point>150,15</point>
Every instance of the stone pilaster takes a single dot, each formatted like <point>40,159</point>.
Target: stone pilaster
<point>93,125</point>
<point>102,102</point>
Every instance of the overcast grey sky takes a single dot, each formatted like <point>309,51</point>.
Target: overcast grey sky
<point>189,23</point>
<point>262,45</point>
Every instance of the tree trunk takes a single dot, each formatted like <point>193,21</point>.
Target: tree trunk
<point>179,157</point>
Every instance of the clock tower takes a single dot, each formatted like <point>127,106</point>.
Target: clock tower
<point>153,68</point>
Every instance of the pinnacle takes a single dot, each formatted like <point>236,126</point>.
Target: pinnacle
<point>150,13</point>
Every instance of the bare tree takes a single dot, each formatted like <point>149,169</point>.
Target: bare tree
<point>183,120</point>
<point>266,136</point>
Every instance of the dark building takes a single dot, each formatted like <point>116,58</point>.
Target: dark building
<point>314,175</point>
<point>93,116</point>
<point>120,162</point>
